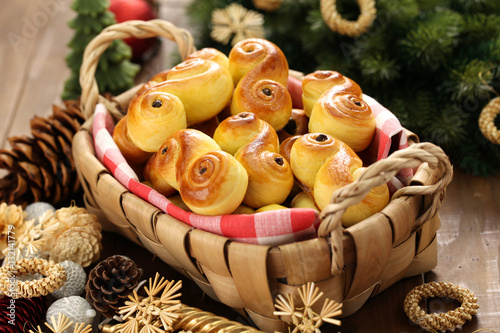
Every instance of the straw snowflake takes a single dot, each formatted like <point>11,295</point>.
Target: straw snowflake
<point>31,236</point>
<point>62,324</point>
<point>152,313</point>
<point>304,318</point>
<point>235,20</point>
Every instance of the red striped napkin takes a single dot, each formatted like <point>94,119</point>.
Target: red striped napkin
<point>265,228</point>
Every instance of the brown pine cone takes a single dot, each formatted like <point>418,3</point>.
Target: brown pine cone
<point>110,283</point>
<point>41,167</point>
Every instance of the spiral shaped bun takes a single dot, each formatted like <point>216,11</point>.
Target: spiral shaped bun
<point>152,117</point>
<point>135,156</point>
<point>214,184</point>
<point>177,152</point>
<point>210,181</point>
<point>344,116</point>
<point>212,54</point>
<point>316,83</point>
<point>255,145</point>
<point>298,124</point>
<point>204,87</point>
<point>323,164</point>
<point>260,72</point>
<point>156,79</point>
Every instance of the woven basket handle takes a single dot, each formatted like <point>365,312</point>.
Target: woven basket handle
<point>380,173</point>
<point>135,28</point>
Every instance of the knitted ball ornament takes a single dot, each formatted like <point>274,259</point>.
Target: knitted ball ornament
<point>75,280</point>
<point>35,210</point>
<point>76,308</point>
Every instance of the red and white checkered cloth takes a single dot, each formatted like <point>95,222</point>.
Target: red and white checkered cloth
<point>265,228</point>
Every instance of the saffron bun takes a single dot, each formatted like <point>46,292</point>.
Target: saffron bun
<point>209,53</point>
<point>209,181</point>
<point>213,184</point>
<point>330,164</point>
<point>260,73</point>
<point>135,156</point>
<point>255,144</point>
<point>154,178</point>
<point>177,152</point>
<point>298,124</point>
<point>152,117</point>
<point>316,83</point>
<point>204,87</point>
<point>339,110</point>
<point>153,81</point>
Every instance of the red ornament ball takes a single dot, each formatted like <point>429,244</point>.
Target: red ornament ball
<point>126,10</point>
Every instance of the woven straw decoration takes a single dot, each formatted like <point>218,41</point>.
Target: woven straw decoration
<point>349,28</point>
<point>487,121</point>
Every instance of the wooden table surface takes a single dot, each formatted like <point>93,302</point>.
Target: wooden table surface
<point>34,34</point>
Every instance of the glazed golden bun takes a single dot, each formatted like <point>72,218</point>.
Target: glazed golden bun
<point>204,87</point>
<point>155,179</point>
<point>210,181</point>
<point>255,144</point>
<point>260,73</point>
<point>339,111</point>
<point>152,117</point>
<point>209,53</point>
<point>298,124</point>
<point>178,151</point>
<point>135,156</point>
<point>316,83</point>
<point>157,78</point>
<point>303,200</point>
<point>329,164</point>
<point>213,184</point>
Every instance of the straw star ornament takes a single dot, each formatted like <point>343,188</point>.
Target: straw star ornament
<point>304,318</point>
<point>236,23</point>
<point>152,313</point>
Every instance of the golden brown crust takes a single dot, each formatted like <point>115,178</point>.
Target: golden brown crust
<point>346,117</point>
<point>298,124</point>
<point>255,145</point>
<point>323,164</point>
<point>152,117</point>
<point>260,72</point>
<point>134,155</point>
<point>316,83</point>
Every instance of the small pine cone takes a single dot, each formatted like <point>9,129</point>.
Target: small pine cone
<point>66,218</point>
<point>110,283</point>
<point>11,218</point>
<point>41,167</point>
<point>79,244</point>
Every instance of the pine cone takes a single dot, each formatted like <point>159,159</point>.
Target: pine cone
<point>41,167</point>
<point>11,217</point>
<point>110,283</point>
<point>79,244</point>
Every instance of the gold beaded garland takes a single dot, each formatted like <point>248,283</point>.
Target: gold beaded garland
<point>55,276</point>
<point>440,321</point>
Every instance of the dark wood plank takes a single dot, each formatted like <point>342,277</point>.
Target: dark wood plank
<point>468,245</point>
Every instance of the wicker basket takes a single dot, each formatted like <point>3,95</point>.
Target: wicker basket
<point>348,265</point>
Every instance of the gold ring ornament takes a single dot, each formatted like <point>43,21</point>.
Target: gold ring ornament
<point>440,321</point>
<point>487,121</point>
<point>54,278</point>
